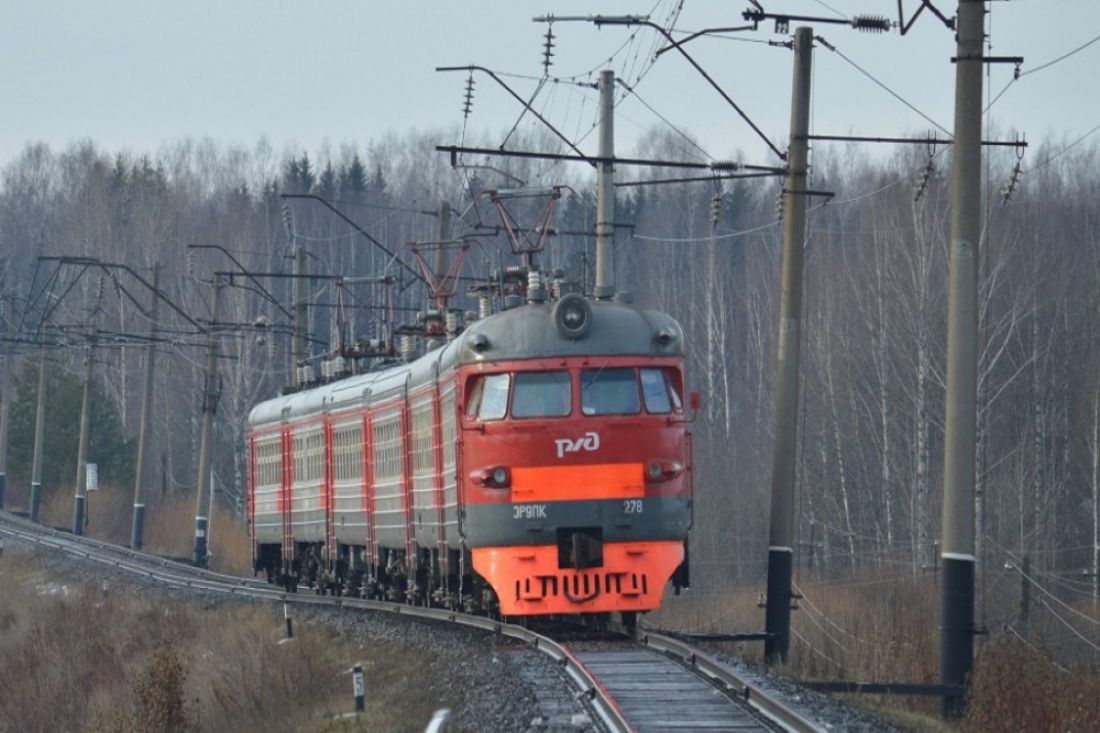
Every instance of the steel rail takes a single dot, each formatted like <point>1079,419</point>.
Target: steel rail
<point>721,675</point>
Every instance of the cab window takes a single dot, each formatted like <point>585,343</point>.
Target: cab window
<point>609,392</point>
<point>541,394</point>
<point>655,391</point>
<point>489,398</point>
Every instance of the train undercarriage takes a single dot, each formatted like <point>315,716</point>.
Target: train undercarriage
<point>430,581</point>
<point>438,580</point>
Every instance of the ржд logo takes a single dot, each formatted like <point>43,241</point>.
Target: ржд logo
<point>589,442</point>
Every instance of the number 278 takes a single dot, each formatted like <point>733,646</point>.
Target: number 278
<point>632,506</point>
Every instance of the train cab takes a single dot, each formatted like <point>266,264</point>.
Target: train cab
<point>575,457</point>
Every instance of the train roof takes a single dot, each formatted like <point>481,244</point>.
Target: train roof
<point>525,332</point>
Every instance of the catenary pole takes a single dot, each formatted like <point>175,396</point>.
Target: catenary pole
<point>137,528</point>
<point>605,190</point>
<point>957,595</point>
<point>777,618</point>
<point>298,350</point>
<point>39,439</point>
<point>80,499</point>
<point>206,443</point>
<point>5,405</point>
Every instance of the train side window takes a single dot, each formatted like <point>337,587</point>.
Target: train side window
<point>541,394</point>
<point>676,403</point>
<point>655,391</point>
<point>492,391</point>
<point>473,400</point>
<point>609,392</point>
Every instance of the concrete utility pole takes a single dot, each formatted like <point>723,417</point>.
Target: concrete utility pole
<point>298,350</point>
<point>82,446</point>
<point>39,439</point>
<point>957,600</point>
<point>605,191</point>
<point>137,529</point>
<point>5,407</point>
<point>206,445</point>
<point>777,617</point>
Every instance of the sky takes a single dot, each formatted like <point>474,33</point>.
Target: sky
<point>136,74</point>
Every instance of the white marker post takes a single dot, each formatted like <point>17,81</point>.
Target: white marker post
<point>358,687</point>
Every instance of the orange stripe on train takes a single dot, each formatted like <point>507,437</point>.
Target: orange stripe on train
<point>568,483</point>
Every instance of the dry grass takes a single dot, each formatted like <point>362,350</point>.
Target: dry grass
<point>169,524</point>
<point>94,660</point>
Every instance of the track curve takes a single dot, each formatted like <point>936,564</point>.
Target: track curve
<point>611,683</point>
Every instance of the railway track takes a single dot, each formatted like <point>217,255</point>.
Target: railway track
<point>654,683</point>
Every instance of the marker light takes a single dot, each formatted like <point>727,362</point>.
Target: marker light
<point>656,471</point>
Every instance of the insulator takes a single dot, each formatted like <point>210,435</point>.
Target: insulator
<point>190,263</point>
<point>780,205</point>
<point>923,179</point>
<point>715,210</point>
<point>468,102</point>
<point>534,280</point>
<point>408,348</point>
<point>871,23</point>
<point>484,306</point>
<point>101,285</point>
<point>286,217</point>
<point>1010,188</point>
<point>547,50</point>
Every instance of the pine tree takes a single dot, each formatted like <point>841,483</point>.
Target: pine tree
<point>327,187</point>
<point>353,178</point>
<point>108,446</point>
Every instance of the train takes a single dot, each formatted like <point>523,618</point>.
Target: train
<point>537,463</point>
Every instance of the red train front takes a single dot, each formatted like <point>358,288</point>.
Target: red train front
<point>575,458</point>
<point>539,463</point>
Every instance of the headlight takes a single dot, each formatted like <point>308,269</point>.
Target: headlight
<point>573,316</point>
<point>500,476</point>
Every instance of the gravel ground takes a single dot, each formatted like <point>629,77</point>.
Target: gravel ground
<point>506,686</point>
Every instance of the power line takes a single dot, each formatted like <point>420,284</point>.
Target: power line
<point>1061,58</point>
<point>681,133</point>
<point>881,84</point>
<point>1066,149</point>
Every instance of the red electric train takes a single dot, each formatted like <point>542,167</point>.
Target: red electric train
<point>539,463</point>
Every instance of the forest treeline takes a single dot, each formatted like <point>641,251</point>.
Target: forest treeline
<point>870,435</point>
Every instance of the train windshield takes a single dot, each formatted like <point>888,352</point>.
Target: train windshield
<point>655,391</point>
<point>610,392</point>
<point>489,397</point>
<point>541,394</point>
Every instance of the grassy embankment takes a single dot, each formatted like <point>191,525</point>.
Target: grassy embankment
<point>169,524</point>
<point>76,658</point>
<point>93,657</point>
